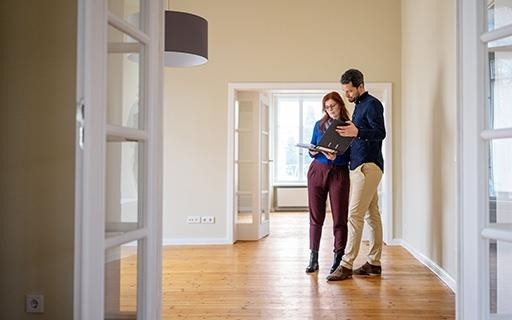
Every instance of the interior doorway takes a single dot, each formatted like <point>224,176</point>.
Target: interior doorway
<point>262,178</point>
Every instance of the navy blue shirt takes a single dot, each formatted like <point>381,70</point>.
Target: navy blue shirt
<point>340,160</point>
<point>368,117</point>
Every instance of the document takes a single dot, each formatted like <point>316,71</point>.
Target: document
<point>331,141</point>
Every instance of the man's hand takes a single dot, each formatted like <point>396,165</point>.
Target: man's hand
<point>350,130</point>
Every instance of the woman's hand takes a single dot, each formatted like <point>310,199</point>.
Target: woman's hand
<point>313,153</point>
<point>329,155</point>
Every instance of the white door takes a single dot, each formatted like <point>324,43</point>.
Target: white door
<point>119,150</point>
<point>485,175</point>
<point>264,165</point>
<point>251,166</point>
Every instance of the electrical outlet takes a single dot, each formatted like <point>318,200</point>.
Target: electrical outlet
<point>34,303</point>
<point>208,219</point>
<point>193,219</point>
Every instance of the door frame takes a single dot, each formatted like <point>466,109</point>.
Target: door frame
<point>90,168</point>
<point>385,88</point>
<point>470,156</point>
<point>89,221</point>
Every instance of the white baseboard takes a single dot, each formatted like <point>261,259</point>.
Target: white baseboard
<point>195,241</point>
<point>394,242</point>
<point>437,270</point>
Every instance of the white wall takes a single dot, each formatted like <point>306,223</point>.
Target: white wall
<point>315,41</point>
<point>429,126</point>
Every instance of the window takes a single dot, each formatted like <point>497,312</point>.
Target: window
<point>295,117</point>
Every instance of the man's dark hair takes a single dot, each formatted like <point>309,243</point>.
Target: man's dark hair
<point>352,75</point>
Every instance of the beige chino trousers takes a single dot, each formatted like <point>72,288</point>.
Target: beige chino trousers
<point>364,205</point>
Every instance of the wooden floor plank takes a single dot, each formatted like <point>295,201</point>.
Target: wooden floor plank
<point>266,280</point>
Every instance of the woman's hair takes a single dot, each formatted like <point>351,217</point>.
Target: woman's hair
<point>343,110</point>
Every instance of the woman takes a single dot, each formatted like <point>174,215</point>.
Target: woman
<point>328,175</point>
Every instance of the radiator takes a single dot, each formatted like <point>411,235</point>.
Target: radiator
<point>290,198</point>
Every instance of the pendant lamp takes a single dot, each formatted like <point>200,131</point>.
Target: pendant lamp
<point>186,39</point>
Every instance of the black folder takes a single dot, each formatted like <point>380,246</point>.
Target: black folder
<point>331,141</point>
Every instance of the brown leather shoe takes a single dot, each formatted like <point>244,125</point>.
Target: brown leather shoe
<point>368,270</point>
<point>341,273</point>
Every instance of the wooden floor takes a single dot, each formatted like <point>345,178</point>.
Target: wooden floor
<point>266,280</point>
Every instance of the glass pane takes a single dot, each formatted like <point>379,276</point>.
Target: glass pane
<point>288,129</point>
<point>265,119</point>
<point>500,207</point>
<point>499,13</point>
<point>245,146</point>
<point>123,79</point>
<point>246,179</point>
<point>500,181</point>
<point>245,115</point>
<point>121,269</point>
<point>265,183</point>
<point>500,72</point>
<point>244,217</point>
<point>264,147</point>
<point>123,187</point>
<point>128,10</point>
<point>244,203</point>
<point>500,254</point>
<point>311,113</point>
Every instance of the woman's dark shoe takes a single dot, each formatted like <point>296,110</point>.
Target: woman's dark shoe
<point>313,262</point>
<point>336,261</point>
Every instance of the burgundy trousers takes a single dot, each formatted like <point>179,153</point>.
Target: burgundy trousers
<point>323,180</point>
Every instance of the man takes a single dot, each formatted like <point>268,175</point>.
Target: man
<point>366,169</point>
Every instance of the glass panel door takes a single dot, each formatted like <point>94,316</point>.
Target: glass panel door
<point>264,165</point>
<point>251,166</point>
<point>499,115</point>
<point>118,274</point>
<point>484,283</point>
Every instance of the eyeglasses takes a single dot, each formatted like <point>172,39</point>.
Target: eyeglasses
<point>331,107</point>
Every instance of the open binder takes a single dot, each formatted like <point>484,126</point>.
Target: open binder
<point>331,141</point>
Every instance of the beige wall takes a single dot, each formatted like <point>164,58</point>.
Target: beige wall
<point>261,41</point>
<point>429,100</point>
<point>37,94</point>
